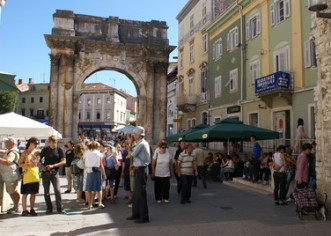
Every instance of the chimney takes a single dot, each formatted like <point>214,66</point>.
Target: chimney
<point>30,81</point>
<point>20,81</point>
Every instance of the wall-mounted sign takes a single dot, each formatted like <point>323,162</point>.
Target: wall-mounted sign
<point>278,80</point>
<point>233,109</point>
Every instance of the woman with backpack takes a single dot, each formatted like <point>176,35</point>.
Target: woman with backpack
<point>77,171</point>
<point>110,163</point>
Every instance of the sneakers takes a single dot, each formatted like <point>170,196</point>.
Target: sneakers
<point>33,213</point>
<point>290,200</point>
<point>13,210</point>
<point>130,205</point>
<point>166,201</point>
<point>25,213</point>
<point>159,201</point>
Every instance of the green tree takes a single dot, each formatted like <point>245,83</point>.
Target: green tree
<point>8,101</point>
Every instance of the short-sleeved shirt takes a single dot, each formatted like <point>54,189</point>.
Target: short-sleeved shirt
<point>186,160</point>
<point>162,168</point>
<point>69,157</point>
<point>198,153</point>
<point>256,150</point>
<point>49,156</point>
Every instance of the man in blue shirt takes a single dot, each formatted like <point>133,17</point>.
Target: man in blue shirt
<point>141,159</point>
<point>256,155</point>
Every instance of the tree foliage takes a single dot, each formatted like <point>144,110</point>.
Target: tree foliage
<point>8,101</point>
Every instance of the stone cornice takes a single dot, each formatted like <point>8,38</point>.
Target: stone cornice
<point>186,9</point>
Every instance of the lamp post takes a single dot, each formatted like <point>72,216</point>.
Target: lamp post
<point>322,35</point>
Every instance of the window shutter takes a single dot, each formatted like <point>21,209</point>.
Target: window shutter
<point>287,5</point>
<point>228,42</point>
<point>221,47</point>
<point>214,51</point>
<point>306,51</point>
<point>272,14</point>
<point>258,24</point>
<point>248,36</point>
<point>236,38</point>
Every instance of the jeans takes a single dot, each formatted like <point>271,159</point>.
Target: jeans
<point>161,188</point>
<point>49,178</point>
<point>223,171</point>
<point>255,169</point>
<point>289,178</point>
<point>266,172</point>
<point>186,187</point>
<point>280,183</point>
<point>139,198</point>
<point>312,183</point>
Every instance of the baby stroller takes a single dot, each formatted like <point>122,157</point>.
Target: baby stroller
<point>306,202</point>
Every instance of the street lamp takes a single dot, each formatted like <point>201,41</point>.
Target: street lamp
<point>317,6</point>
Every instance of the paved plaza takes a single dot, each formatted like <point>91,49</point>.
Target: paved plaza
<point>221,209</point>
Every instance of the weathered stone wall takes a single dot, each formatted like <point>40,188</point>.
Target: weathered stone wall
<point>322,34</point>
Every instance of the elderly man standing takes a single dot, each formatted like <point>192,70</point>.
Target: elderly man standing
<point>141,159</point>
<point>8,172</point>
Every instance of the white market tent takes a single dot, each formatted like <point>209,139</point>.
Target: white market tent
<point>126,129</point>
<point>15,125</point>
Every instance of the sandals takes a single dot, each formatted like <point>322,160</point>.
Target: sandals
<point>101,206</point>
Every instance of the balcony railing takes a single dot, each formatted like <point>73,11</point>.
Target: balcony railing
<point>187,103</point>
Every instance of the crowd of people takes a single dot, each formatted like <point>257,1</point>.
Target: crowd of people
<point>94,170</point>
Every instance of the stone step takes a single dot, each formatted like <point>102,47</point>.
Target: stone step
<point>240,183</point>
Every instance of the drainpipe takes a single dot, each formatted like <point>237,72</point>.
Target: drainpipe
<point>243,49</point>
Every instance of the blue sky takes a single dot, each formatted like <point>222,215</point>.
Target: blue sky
<point>23,23</point>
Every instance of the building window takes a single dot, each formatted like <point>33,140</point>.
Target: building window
<point>181,59</point>
<point>79,116</point>
<point>282,60</point>
<point>218,86</point>
<point>80,101</point>
<point>117,115</point>
<point>191,24</point>
<point>191,52</point>
<point>180,89</point>
<point>98,100</point>
<point>88,115</point>
<point>204,13</point>
<point>233,39</point>
<point>108,100</point>
<point>203,81</point>
<point>98,115</point>
<point>32,99</point>
<point>108,115</point>
<point>88,101</point>
<point>189,124</point>
<point>217,49</point>
<point>279,11</point>
<point>254,69</point>
<point>32,88</point>
<point>191,87</point>
<point>310,53</point>
<point>23,111</point>
<point>204,43</point>
<point>253,27</point>
<point>181,33</point>
<point>40,114</point>
<point>254,119</point>
<point>31,112</point>
<point>193,122</point>
<point>23,100</point>
<point>204,118</point>
<point>233,80</point>
<point>41,99</point>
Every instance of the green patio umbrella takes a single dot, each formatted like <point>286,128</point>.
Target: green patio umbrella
<point>230,130</point>
<point>181,135</point>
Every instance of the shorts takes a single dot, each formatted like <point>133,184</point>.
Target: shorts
<point>11,187</point>
<point>30,188</point>
<point>110,183</point>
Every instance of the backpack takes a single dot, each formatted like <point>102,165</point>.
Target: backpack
<point>11,173</point>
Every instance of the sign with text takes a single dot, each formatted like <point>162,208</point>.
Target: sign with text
<point>278,80</point>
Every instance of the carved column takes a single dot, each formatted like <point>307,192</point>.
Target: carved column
<point>160,100</point>
<point>53,95</point>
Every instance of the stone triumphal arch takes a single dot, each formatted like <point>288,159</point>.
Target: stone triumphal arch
<point>82,45</point>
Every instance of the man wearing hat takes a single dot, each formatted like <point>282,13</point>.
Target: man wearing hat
<point>141,159</point>
<point>8,172</point>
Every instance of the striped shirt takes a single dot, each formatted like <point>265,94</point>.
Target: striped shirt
<point>186,161</point>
